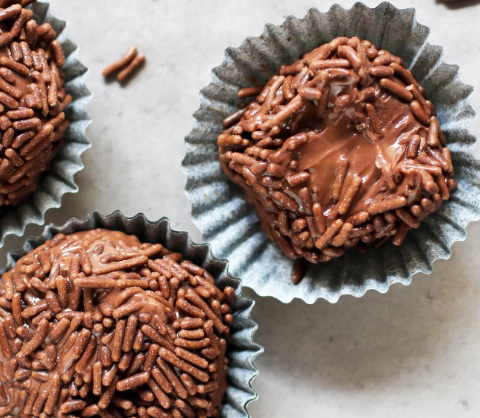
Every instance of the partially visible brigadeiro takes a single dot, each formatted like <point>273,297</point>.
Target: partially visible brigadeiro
<point>340,149</point>
<point>99,324</point>
<point>32,100</point>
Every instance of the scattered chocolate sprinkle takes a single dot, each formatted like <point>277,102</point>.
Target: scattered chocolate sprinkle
<point>126,66</point>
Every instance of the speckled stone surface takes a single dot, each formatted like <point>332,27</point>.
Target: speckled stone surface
<point>412,352</point>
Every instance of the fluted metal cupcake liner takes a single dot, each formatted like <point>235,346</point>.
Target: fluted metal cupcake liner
<point>60,180</point>
<point>230,224</point>
<point>242,350</point>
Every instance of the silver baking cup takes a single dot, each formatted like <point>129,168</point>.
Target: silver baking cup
<point>55,183</point>
<point>230,224</point>
<point>242,350</point>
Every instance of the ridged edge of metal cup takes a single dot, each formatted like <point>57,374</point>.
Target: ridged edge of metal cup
<point>242,350</point>
<point>60,180</point>
<point>231,226</point>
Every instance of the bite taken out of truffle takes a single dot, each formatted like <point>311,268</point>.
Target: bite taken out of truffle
<point>99,324</point>
<point>340,149</point>
<point>32,100</point>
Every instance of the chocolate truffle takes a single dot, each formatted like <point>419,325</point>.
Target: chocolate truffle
<point>339,149</point>
<point>97,323</point>
<point>32,100</point>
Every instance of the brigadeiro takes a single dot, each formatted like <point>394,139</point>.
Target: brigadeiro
<point>32,101</point>
<point>340,149</point>
<point>99,324</point>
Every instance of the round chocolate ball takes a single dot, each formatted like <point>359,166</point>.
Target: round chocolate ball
<point>32,101</point>
<point>340,149</point>
<point>99,324</point>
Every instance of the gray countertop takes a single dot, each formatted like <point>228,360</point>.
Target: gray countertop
<point>413,352</point>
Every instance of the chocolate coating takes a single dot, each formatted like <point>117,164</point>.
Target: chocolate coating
<point>340,149</point>
<point>97,323</point>
<point>32,101</point>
